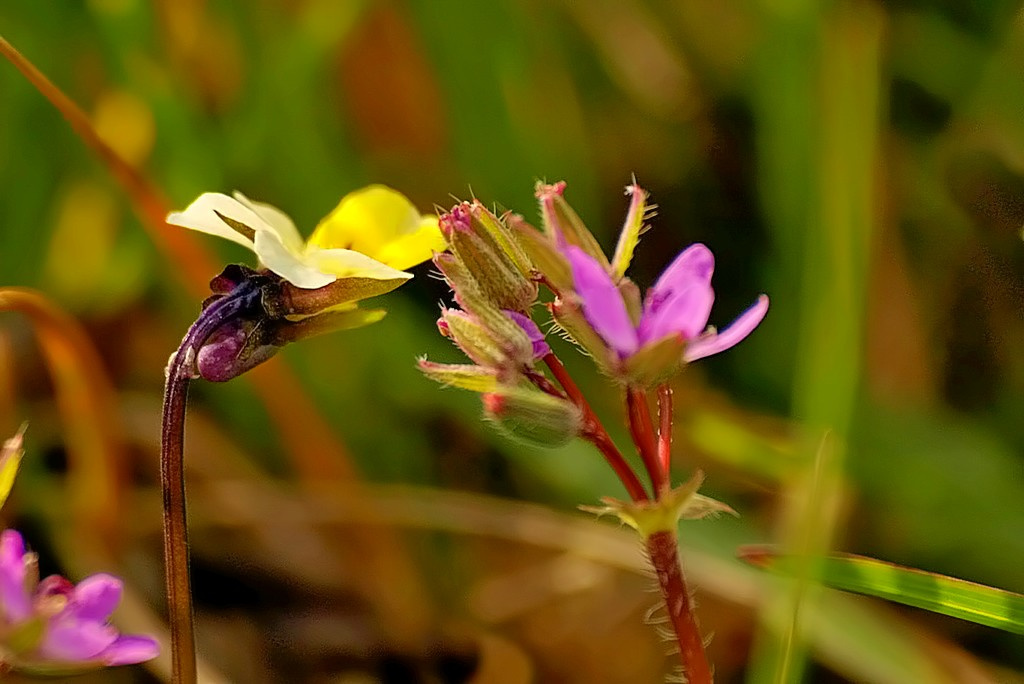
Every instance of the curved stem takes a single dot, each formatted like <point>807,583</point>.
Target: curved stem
<point>665,427</point>
<point>642,430</point>
<point>172,480</point>
<point>595,432</point>
<point>663,551</point>
<point>172,476</point>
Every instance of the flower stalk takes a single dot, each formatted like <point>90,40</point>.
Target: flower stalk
<point>663,552</point>
<point>595,432</point>
<point>180,371</point>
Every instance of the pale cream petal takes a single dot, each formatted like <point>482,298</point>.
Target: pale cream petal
<point>202,215</point>
<point>289,265</point>
<point>347,263</point>
<point>277,220</point>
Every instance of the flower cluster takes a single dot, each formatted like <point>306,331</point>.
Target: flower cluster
<point>51,626</point>
<point>303,288</point>
<point>493,267</point>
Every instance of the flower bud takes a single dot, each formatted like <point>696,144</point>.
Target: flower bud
<point>563,224</point>
<point>485,222</point>
<point>543,252</point>
<point>472,338</point>
<point>533,416</point>
<point>237,346</point>
<point>500,280</point>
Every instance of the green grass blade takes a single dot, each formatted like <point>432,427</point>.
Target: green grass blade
<point>941,594</point>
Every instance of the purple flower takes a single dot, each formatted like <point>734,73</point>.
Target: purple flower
<point>75,618</point>
<point>679,303</point>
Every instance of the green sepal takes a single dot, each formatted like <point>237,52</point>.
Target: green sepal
<point>561,219</point>
<point>10,459</point>
<point>329,321</point>
<point>462,375</point>
<point>292,301</point>
<point>632,229</point>
<point>656,362</point>
<point>473,338</point>
<point>568,316</point>
<point>56,669</point>
<point>545,256</point>
<point>26,636</point>
<point>486,222</point>
<point>664,514</point>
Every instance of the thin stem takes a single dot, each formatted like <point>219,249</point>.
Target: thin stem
<point>663,552</point>
<point>543,384</point>
<point>665,427</point>
<point>172,479</point>
<point>172,476</point>
<point>642,430</point>
<point>595,432</point>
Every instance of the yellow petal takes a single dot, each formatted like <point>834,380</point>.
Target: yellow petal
<point>371,220</point>
<point>414,248</point>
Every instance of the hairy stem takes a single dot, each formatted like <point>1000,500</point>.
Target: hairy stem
<point>595,432</point>
<point>172,476</point>
<point>172,479</point>
<point>665,427</point>
<point>663,552</point>
<point>642,430</point>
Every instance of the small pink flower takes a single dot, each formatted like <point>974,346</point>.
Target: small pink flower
<point>679,303</point>
<point>76,618</point>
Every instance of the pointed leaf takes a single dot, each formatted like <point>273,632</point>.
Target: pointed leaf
<point>957,598</point>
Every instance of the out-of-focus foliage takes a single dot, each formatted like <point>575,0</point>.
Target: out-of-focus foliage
<point>861,162</point>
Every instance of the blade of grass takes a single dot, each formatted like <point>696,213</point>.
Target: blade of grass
<point>942,594</point>
<point>88,407</point>
<point>821,105</point>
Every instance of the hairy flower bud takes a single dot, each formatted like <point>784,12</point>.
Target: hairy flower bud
<point>472,338</point>
<point>486,223</point>
<point>533,416</point>
<point>501,281</point>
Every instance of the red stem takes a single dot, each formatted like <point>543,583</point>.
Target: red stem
<point>665,427</point>
<point>642,430</point>
<point>595,432</point>
<point>663,550</point>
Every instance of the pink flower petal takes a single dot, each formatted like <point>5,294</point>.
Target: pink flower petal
<point>602,304</point>
<point>731,336</point>
<point>691,268</point>
<point>15,601</point>
<point>95,597</point>
<point>540,347</point>
<point>71,640</point>
<point>130,649</point>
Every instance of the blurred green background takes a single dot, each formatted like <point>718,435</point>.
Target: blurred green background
<point>861,162</point>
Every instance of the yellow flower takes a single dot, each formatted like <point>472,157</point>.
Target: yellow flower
<point>373,233</point>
